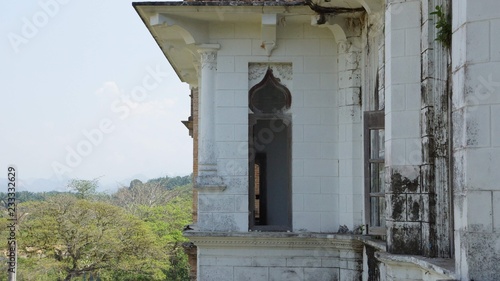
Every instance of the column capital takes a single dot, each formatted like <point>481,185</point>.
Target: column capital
<point>208,47</point>
<point>208,53</point>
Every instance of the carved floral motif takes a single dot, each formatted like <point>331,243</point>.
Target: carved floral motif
<point>208,59</point>
<point>282,71</point>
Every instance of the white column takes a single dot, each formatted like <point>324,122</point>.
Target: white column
<point>206,149</point>
<point>207,157</point>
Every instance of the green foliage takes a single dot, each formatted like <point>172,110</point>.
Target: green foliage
<point>34,269</point>
<point>142,195</point>
<point>23,196</point>
<point>84,188</point>
<point>443,25</point>
<point>66,236</point>
<point>80,237</point>
<point>171,216</point>
<point>167,222</point>
<point>170,183</point>
<point>179,271</point>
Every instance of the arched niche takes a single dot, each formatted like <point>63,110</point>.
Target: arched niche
<point>269,95</point>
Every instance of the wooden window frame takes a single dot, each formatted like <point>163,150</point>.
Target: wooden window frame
<point>373,120</point>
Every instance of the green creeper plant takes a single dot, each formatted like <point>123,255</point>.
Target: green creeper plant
<point>443,26</point>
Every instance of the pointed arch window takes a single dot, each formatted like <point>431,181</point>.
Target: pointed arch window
<point>270,203</point>
<point>269,96</point>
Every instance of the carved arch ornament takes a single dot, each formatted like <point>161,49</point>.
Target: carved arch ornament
<point>269,95</point>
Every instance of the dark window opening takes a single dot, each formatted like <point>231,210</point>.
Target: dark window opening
<point>270,174</point>
<point>270,201</point>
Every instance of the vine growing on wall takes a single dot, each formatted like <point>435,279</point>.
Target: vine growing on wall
<point>443,26</point>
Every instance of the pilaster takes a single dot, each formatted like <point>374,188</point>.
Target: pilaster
<point>207,179</point>
<point>435,132</point>
<point>350,129</point>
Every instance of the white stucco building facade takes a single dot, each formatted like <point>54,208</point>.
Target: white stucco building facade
<point>339,140</point>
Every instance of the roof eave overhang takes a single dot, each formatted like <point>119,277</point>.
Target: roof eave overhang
<point>178,27</point>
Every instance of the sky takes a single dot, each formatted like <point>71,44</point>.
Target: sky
<point>87,93</point>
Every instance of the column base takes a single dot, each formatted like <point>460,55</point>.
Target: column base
<point>209,183</point>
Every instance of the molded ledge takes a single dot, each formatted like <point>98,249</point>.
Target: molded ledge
<point>377,244</point>
<point>275,239</point>
<point>441,266</point>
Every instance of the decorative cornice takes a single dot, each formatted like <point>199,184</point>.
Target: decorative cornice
<point>230,4</point>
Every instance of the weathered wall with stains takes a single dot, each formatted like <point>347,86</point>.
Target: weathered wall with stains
<point>432,177</point>
<point>404,194</point>
<point>435,133</point>
<point>326,124</point>
<point>279,257</point>
<point>372,268</point>
<point>417,127</point>
<point>442,145</point>
<point>476,145</point>
<point>373,61</point>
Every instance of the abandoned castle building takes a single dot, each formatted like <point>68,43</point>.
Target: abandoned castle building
<point>340,139</point>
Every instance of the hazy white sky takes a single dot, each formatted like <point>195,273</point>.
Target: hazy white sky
<point>86,92</point>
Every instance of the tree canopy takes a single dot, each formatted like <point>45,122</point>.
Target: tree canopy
<point>83,188</point>
<point>135,234</point>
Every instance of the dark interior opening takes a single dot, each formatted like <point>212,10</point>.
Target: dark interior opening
<point>270,175</point>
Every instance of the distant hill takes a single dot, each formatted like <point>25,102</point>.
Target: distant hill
<point>55,184</point>
<point>167,182</point>
<point>37,185</point>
